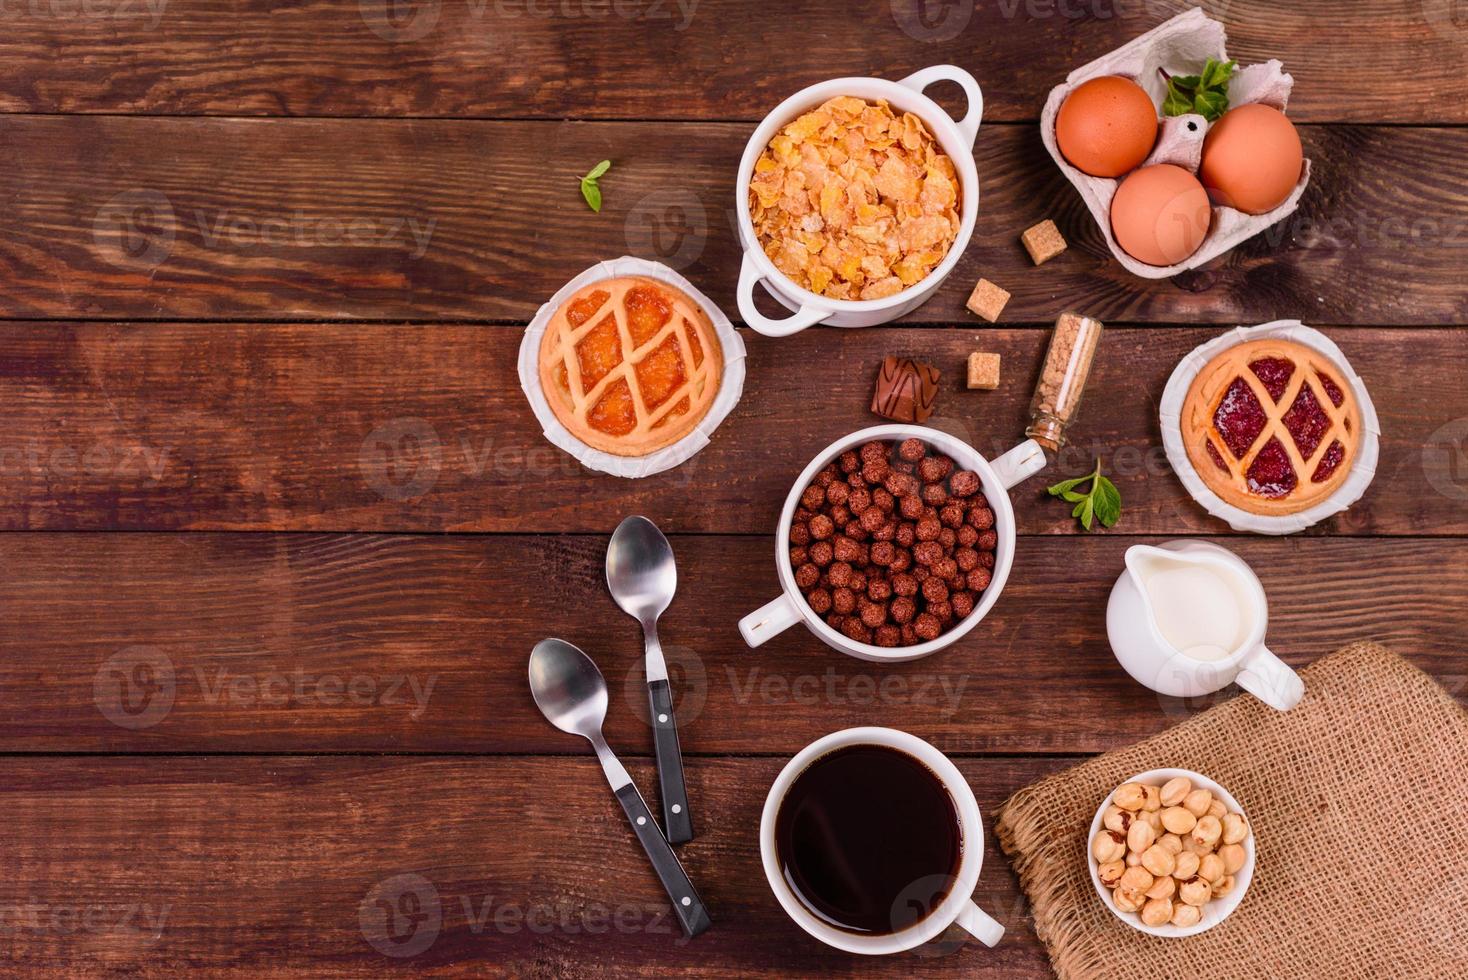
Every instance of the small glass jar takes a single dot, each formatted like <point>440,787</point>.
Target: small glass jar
<point>1063,378</point>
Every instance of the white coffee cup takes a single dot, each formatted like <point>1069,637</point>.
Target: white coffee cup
<point>957,905</point>
<point>1140,647</point>
<point>996,477</point>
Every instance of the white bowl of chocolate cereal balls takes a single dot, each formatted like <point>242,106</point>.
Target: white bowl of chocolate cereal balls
<point>1171,853</point>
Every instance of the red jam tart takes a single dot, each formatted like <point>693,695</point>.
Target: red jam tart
<point>1271,427</point>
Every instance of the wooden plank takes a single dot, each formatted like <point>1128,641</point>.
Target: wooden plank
<point>291,643</point>
<point>403,428</point>
<point>599,59</point>
<point>246,866</point>
<point>427,220</point>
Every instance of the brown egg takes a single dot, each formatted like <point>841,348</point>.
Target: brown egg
<point>1251,159</point>
<point>1160,214</point>
<point>1107,126</point>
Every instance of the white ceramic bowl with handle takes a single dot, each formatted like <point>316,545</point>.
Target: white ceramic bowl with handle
<point>956,140</point>
<point>1216,910</point>
<point>995,478</point>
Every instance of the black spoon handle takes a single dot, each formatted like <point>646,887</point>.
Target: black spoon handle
<point>674,793</point>
<point>686,904</point>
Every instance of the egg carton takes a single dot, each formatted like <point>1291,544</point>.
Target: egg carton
<point>1179,46</point>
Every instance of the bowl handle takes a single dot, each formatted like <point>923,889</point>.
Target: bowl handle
<point>804,317</point>
<point>969,127</point>
<point>771,619</point>
<point>1019,464</point>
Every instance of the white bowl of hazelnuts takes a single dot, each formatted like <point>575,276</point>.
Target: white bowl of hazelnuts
<point>1171,852</point>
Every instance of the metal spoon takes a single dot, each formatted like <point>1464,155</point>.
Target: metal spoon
<point>572,694</point>
<point>642,579</point>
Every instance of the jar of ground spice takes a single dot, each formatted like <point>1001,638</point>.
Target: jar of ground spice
<point>1063,378</point>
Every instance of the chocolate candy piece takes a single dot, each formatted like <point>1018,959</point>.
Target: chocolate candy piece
<point>906,390</point>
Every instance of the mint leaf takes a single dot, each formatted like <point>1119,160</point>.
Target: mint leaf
<point>592,193</point>
<point>1102,502</point>
<point>589,187</point>
<point>1108,502</point>
<point>1063,486</point>
<point>1205,93</point>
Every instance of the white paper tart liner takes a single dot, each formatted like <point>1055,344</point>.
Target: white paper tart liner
<point>731,386</point>
<point>1363,466</point>
<point>1178,46</point>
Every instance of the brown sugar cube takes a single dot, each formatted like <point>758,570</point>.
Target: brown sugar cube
<point>906,390</point>
<point>987,300</point>
<point>1043,242</point>
<point>983,370</point>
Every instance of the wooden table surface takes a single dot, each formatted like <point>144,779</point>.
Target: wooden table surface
<point>282,529</point>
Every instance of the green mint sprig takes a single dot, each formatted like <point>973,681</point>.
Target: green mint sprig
<point>1205,94</point>
<point>589,188</point>
<point>1102,502</point>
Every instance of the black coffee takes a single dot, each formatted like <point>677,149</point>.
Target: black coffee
<point>868,839</point>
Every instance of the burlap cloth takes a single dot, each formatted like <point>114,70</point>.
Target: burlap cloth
<point>1359,802</point>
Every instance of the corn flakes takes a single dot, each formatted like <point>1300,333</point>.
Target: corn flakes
<point>854,202</point>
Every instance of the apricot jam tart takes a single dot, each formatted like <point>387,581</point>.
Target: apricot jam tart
<point>1271,426</point>
<point>630,365</point>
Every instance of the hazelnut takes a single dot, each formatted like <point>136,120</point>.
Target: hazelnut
<point>1137,879</point>
<point>1154,818</point>
<point>1128,900</point>
<point>1196,847</point>
<point>1159,860</point>
<point>1110,873</point>
<point>1174,790</point>
<point>1140,836</point>
<point>1130,796</point>
<point>1176,820</point>
<point>1207,831</point>
<point>1234,857</point>
<point>1186,915</point>
<point>1210,868</point>
<point>1197,802</point>
<point>1157,911</point>
<point>1172,842</point>
<point>1195,891</point>
<point>1217,809</point>
<point>1223,886</point>
<point>1235,828</point>
<point>1163,887</point>
<point>1133,859</point>
<point>1153,799</point>
<point>1186,866</point>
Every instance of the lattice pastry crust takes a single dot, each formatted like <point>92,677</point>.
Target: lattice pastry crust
<point>630,365</point>
<point>1271,426</point>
